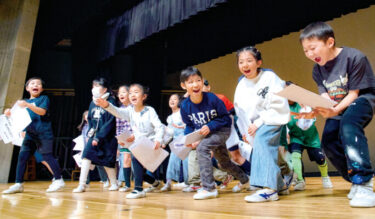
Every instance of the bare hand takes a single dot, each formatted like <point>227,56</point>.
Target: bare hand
<point>327,112</point>
<point>94,143</point>
<point>23,134</point>
<point>157,145</point>
<point>204,130</point>
<point>309,115</point>
<point>245,139</point>
<point>163,146</point>
<point>101,102</point>
<point>7,112</point>
<point>252,129</point>
<point>22,103</point>
<point>130,139</point>
<point>121,143</point>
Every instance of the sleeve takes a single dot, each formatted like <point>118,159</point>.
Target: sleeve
<point>158,126</point>
<point>357,74</point>
<point>189,124</point>
<point>318,80</point>
<point>122,113</point>
<point>169,120</point>
<point>44,103</point>
<point>108,123</point>
<point>222,119</point>
<point>274,110</point>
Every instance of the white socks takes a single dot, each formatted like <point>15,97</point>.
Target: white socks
<point>111,172</point>
<point>85,168</point>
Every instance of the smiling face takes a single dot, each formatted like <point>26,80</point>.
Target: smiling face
<point>319,51</point>
<point>173,102</point>
<point>248,64</point>
<point>34,87</point>
<point>193,85</point>
<point>136,96</point>
<point>123,95</point>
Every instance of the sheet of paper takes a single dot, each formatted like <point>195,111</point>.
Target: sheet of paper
<point>6,132</point>
<point>305,97</point>
<point>245,150</point>
<point>233,137</point>
<point>178,147</point>
<point>243,123</point>
<point>143,150</point>
<point>79,143</point>
<point>193,137</point>
<point>18,140</point>
<point>78,159</point>
<point>122,138</point>
<point>20,118</point>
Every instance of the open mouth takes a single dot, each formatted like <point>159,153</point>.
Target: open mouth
<point>318,59</point>
<point>35,90</point>
<point>247,71</point>
<point>196,91</point>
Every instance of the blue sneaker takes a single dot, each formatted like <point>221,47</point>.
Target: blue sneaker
<point>263,195</point>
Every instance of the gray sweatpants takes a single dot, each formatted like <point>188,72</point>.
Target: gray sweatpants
<point>215,142</point>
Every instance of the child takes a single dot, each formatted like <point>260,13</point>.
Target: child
<point>206,112</point>
<point>344,75</point>
<point>101,146</point>
<point>121,126</point>
<point>266,113</point>
<point>38,137</point>
<point>304,135</point>
<point>144,122</point>
<point>174,165</point>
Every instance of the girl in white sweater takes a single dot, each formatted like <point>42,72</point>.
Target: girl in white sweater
<point>144,122</point>
<point>264,114</point>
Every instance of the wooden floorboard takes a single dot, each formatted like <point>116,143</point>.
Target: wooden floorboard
<point>314,202</point>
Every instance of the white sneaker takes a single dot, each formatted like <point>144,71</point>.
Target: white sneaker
<point>106,184</point>
<point>136,194</point>
<point>239,187</point>
<point>114,187</point>
<point>166,187</point>
<point>124,189</point>
<point>354,187</point>
<point>154,187</point>
<point>191,188</point>
<point>364,197</point>
<point>263,195</point>
<point>181,185</point>
<point>119,183</point>
<point>327,184</point>
<point>16,188</point>
<point>204,194</point>
<point>300,185</point>
<point>80,188</point>
<point>57,185</point>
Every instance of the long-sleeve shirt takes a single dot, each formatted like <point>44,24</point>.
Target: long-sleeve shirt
<point>256,98</point>
<point>210,111</point>
<point>145,123</point>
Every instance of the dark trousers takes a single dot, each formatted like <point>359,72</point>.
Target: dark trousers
<point>345,143</point>
<point>140,175</point>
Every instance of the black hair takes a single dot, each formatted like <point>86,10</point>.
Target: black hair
<point>34,78</point>
<point>125,86</point>
<point>254,51</point>
<point>287,83</point>
<point>320,30</point>
<point>83,122</point>
<point>144,89</point>
<point>206,82</point>
<point>187,72</point>
<point>179,97</point>
<point>104,83</point>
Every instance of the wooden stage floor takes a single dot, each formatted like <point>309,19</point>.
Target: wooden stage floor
<point>315,202</point>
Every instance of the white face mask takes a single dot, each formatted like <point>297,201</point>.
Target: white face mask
<point>96,92</point>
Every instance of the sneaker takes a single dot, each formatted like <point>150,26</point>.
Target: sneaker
<point>156,186</point>
<point>204,194</point>
<point>119,183</point>
<point>57,185</point>
<point>136,194</point>
<point>106,184</point>
<point>364,197</point>
<point>124,189</point>
<point>191,188</point>
<point>300,185</point>
<point>114,187</point>
<point>166,187</point>
<point>263,195</point>
<point>16,188</point>
<point>226,181</point>
<point>354,187</point>
<point>80,188</point>
<point>327,184</point>
<point>181,185</point>
<point>239,187</point>
<point>254,188</point>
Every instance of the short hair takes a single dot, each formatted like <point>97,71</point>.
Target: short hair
<point>124,86</point>
<point>145,90</point>
<point>102,82</point>
<point>34,78</point>
<point>189,71</point>
<point>320,30</point>
<point>254,51</point>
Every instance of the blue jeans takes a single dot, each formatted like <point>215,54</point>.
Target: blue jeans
<point>174,168</point>
<point>265,171</point>
<point>345,143</point>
